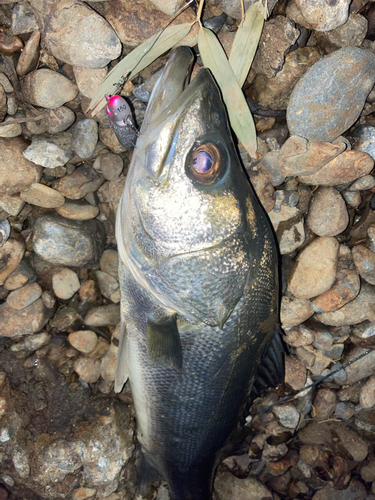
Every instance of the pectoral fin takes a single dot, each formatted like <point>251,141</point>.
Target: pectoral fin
<point>164,346</point>
<point>122,372</point>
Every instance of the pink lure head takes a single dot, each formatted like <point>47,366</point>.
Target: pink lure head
<point>118,110</point>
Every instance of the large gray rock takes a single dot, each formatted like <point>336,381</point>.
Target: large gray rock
<point>67,242</point>
<point>330,96</point>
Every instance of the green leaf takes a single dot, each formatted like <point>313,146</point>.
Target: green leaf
<point>246,42</point>
<point>140,58</point>
<point>214,58</point>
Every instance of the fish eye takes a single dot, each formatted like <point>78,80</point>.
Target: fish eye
<point>205,163</point>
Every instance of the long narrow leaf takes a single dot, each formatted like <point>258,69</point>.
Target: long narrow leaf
<point>214,58</point>
<point>140,58</point>
<point>246,42</point>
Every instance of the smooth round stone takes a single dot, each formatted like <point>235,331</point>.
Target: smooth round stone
<point>315,269</point>
<point>43,196</point>
<point>15,281</point>
<point>294,311</point>
<point>29,56</point>
<point>364,330</point>
<point>88,369</point>
<point>11,130</point>
<point>25,296</point>
<point>365,182</point>
<point>344,289</point>
<point>109,262</point>
<point>320,15</point>
<point>39,88</point>
<point>83,340</point>
<point>78,210</point>
<point>330,96</point>
<point>59,119</point>
<point>70,243</point>
<point>108,368</point>
<point>85,138</point>
<point>110,165</point>
<point>103,316</point>
<point>109,138</point>
<point>353,198</point>
<point>89,80</point>
<point>65,283</point>
<point>328,215</point>
<point>107,283</point>
<point>4,81</point>
<point>364,261</point>
<point>47,154</point>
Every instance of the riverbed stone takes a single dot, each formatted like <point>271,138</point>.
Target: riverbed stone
<point>345,288</point>
<point>59,119</point>
<point>103,315</point>
<point>288,224</point>
<point>25,296</point>
<point>294,311</point>
<point>39,88</point>
<point>67,242</point>
<point>364,261</point>
<point>85,137</point>
<point>46,153</point>
<point>321,15</point>
<point>78,210</point>
<point>31,319</point>
<point>65,283</point>
<point>321,107</point>
<point>83,340</point>
<point>84,180</point>
<point>227,486</point>
<point>29,56</point>
<point>43,196</point>
<point>328,215</point>
<point>11,254</point>
<point>352,33</point>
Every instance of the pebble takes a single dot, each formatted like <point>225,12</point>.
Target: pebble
<point>88,369</point>
<point>363,137</point>
<point>364,261</point>
<point>368,471</point>
<point>321,15</point>
<point>31,319</point>
<point>84,180</point>
<point>355,491</point>
<point>11,130</point>
<point>110,165</point>
<point>25,296</point>
<point>100,349</point>
<point>11,254</point>
<point>32,342</point>
<point>226,486</point>
<point>298,336</point>
<point>364,330</point>
<point>11,204</point>
<point>107,283</point>
<point>70,243</point>
<point>78,210</point>
<point>15,281</point>
<point>29,56</point>
<point>108,368</point>
<point>367,393</point>
<point>294,311</point>
<point>347,167</point>
<point>109,262</point>
<point>65,283</point>
<point>16,172</point>
<point>288,224</point>
<point>103,316</point>
<point>59,119</point>
<point>361,369</point>
<point>344,410</point>
<point>287,416</point>
<point>313,276</point>
<point>328,215</point>
<point>46,153</point>
<point>23,19</point>
<point>169,7</point>
<point>321,107</point>
<point>264,189</point>
<point>90,292</point>
<point>269,162</point>
<point>42,196</point>
<point>83,493</point>
<point>89,80</point>
<point>352,33</point>
<point>84,340</point>
<point>85,138</point>
<point>324,404</point>
<point>344,289</point>
<point>363,183</point>
<point>39,88</point>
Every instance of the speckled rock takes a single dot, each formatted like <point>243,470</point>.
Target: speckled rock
<point>321,107</point>
<point>84,180</point>
<point>25,296</point>
<point>345,288</point>
<point>107,283</point>
<point>46,153</point>
<point>328,215</point>
<point>65,283</point>
<point>294,311</point>
<point>71,243</point>
<point>31,319</point>
<point>78,210</point>
<point>88,369</point>
<point>352,33</point>
<point>315,268</point>
<point>289,227</point>
<point>346,167</point>
<point>108,368</point>
<point>85,137</point>
<point>11,130</point>
<point>320,15</point>
<point>227,486</point>
<point>32,342</point>
<point>39,88</point>
<point>287,415</point>
<point>11,254</point>
<point>364,261</point>
<point>84,340</point>
<point>23,19</point>
<point>16,172</point>
<point>363,138</point>
<point>367,393</point>
<point>109,165</point>
<point>89,80</point>
<point>42,196</point>
<point>103,316</point>
<point>169,7</point>
<point>59,119</point>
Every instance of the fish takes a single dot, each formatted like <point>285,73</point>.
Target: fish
<point>199,283</point>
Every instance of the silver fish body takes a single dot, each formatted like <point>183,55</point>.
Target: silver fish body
<point>198,275</point>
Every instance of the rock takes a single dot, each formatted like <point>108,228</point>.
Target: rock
<point>70,243</point>
<point>352,198</point>
<point>11,130</point>
<point>109,138</point>
<point>364,139</point>
<point>65,283</point>
<point>43,196</point>
<point>345,288</point>
<point>89,293</point>
<point>25,321</point>
<point>321,15</point>
<point>4,231</point>
<point>59,119</point>
<point>88,369</point>
<point>39,88</point>
<point>269,162</point>
<point>23,19</point>
<point>16,172</point>
<point>299,335</point>
<point>344,411</point>
<point>109,165</point>
<point>21,461</point>
<point>356,311</point>
<point>47,153</point>
<point>84,340</point>
<point>108,367</point>
<point>264,189</point>
<point>32,342</point>
<point>355,491</point>
<point>83,493</point>
<point>137,20</point>
<point>368,471</point>
<point>15,281</point>
<point>78,210</point>
<point>169,7</point>
<point>278,35</point>
<point>89,80</point>
<point>274,93</point>
<point>109,262</point>
<point>289,227</point>
<point>360,369</point>
<point>321,107</point>
<point>228,486</point>
<point>273,453</point>
<point>352,33</point>
<point>301,157</point>
<point>79,26</point>
<point>315,268</point>
<point>107,283</point>
<point>85,137</point>
<point>347,167</point>
<point>100,349</point>
<point>28,60</point>
<point>363,183</point>
<point>3,103</point>
<point>84,180</point>
<point>364,330</point>
<point>324,404</point>
<point>295,373</point>
<point>364,261</point>
<point>367,393</point>
<point>103,316</point>
<point>25,296</point>
<point>287,416</point>
<point>232,9</point>
<point>294,311</point>
<point>11,254</point>
<point>328,215</point>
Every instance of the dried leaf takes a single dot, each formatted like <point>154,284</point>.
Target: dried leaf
<point>214,58</point>
<point>246,42</point>
<point>138,59</point>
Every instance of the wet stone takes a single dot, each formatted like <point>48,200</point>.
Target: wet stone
<point>315,268</point>
<point>78,210</point>
<point>85,137</point>
<point>103,316</point>
<point>322,108</point>
<point>294,311</point>
<point>321,15</point>
<point>84,340</point>
<point>65,283</point>
<point>84,180</point>
<point>364,261</point>
<point>71,243</point>
<point>110,165</point>
<point>42,196</point>
<point>47,153</point>
<point>39,88</point>
<point>25,296</point>
<point>328,215</point>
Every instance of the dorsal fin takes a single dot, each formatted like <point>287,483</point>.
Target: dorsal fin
<point>164,346</point>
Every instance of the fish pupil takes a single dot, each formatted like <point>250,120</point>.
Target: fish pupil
<point>202,162</point>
